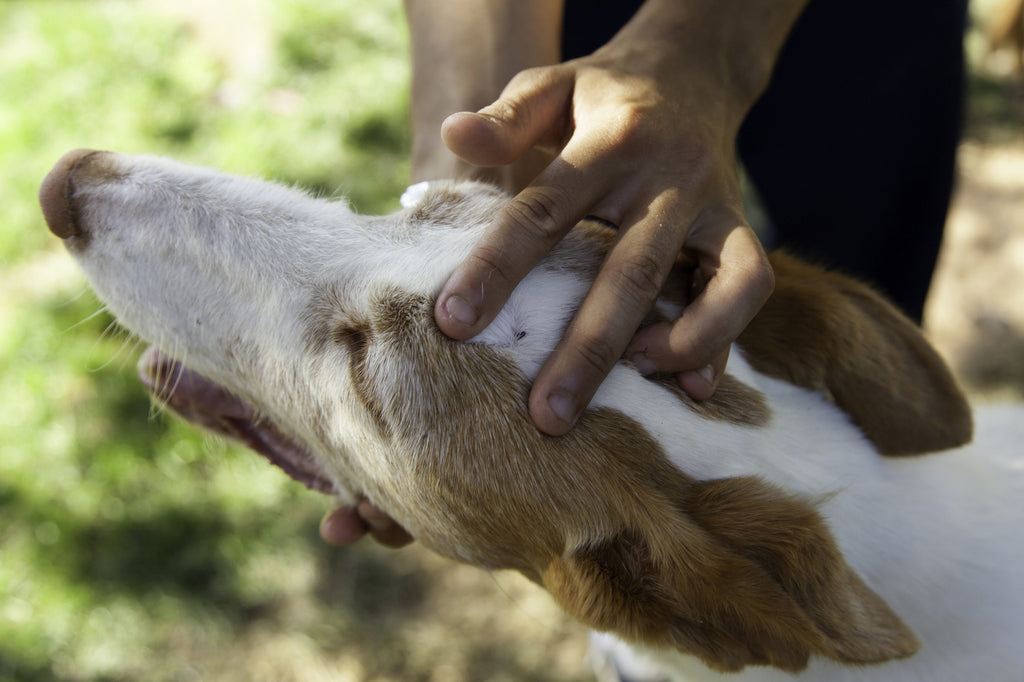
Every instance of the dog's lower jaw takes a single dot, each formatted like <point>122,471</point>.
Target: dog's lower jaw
<point>208,405</point>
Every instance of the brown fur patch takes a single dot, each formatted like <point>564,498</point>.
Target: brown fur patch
<point>733,402</point>
<point>356,340</point>
<point>787,538</point>
<point>827,332</point>
<point>87,171</point>
<point>440,205</point>
<point>322,317</point>
<point>445,204</point>
<point>621,538</point>
<point>328,326</point>
<point>743,575</point>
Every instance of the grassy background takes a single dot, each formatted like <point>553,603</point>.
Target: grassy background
<point>132,547</point>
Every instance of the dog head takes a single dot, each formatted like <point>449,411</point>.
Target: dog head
<point>303,323</point>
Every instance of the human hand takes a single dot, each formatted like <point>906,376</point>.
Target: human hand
<point>643,134</point>
<point>345,525</point>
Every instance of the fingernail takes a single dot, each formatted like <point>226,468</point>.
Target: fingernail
<point>563,405</point>
<point>460,310</point>
<point>643,363</point>
<point>707,373</point>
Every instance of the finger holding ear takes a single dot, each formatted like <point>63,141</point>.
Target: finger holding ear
<point>695,347</point>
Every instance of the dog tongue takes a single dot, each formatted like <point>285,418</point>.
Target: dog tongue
<point>200,401</point>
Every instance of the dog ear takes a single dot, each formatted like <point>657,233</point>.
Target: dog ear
<point>739,575</point>
<point>827,332</point>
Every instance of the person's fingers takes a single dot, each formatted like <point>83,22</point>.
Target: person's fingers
<point>622,294</point>
<point>526,229</point>
<point>696,345</point>
<point>532,106</point>
<point>595,173</point>
<point>345,525</point>
<point>381,526</point>
<point>701,384</point>
<point>342,526</point>
<point>530,112</point>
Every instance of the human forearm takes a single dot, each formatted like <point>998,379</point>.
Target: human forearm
<point>463,54</point>
<point>738,41</point>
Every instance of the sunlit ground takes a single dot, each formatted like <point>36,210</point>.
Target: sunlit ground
<point>133,548</point>
<point>976,308</point>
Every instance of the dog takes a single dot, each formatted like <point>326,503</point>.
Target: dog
<point>825,513</point>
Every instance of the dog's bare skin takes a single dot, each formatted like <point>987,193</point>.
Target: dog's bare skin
<point>824,512</point>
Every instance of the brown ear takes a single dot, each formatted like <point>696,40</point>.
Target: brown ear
<point>824,331</point>
<point>741,575</point>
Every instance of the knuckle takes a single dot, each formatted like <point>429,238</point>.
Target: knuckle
<point>513,109</point>
<point>529,79</point>
<point>539,214</point>
<point>513,103</point>
<point>633,127</point>
<point>495,262</point>
<point>639,279</point>
<point>763,277</point>
<point>756,275</point>
<point>599,354</point>
<point>505,109</point>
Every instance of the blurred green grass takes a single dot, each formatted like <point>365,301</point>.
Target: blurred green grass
<point>131,546</point>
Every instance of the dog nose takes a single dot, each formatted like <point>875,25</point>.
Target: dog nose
<point>55,193</point>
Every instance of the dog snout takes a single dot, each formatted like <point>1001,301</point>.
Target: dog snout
<point>57,191</point>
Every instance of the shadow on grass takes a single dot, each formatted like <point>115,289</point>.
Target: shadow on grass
<point>181,552</point>
<point>995,109</point>
<point>15,666</point>
<point>175,551</point>
<point>995,358</point>
<point>366,583</point>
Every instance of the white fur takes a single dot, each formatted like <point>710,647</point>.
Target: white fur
<point>938,536</point>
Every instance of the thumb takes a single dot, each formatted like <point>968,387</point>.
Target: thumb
<point>533,111</point>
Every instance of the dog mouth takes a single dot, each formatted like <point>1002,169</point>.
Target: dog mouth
<point>209,405</point>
